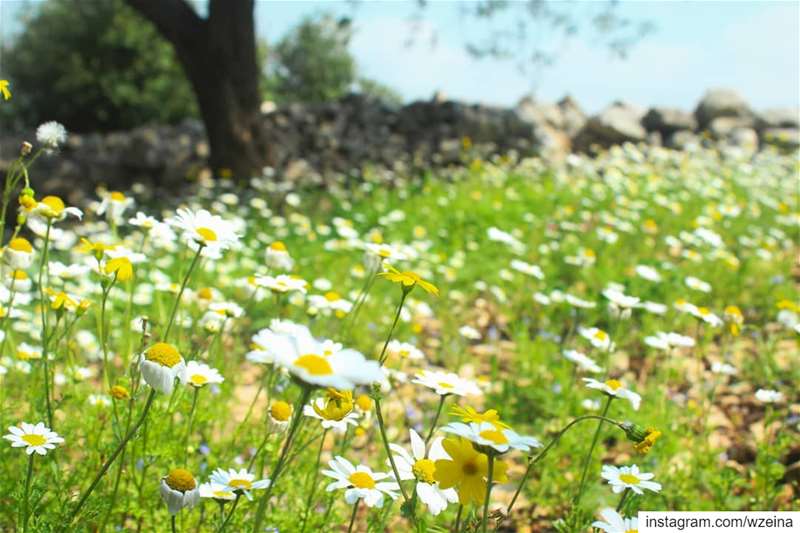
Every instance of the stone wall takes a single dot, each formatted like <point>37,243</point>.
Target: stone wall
<point>311,141</point>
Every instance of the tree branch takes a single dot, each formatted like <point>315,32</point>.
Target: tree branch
<point>176,20</point>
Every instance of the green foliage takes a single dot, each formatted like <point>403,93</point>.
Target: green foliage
<point>94,66</point>
<point>313,63</point>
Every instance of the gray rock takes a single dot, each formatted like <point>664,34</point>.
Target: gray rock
<point>540,113</point>
<point>572,115</point>
<point>744,138</point>
<point>616,124</point>
<point>785,117</point>
<point>683,139</point>
<point>722,127</point>
<point>718,103</point>
<point>668,120</point>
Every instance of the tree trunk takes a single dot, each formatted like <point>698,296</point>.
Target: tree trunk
<point>218,55</point>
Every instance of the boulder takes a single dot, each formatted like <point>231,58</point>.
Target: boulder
<point>573,117</point>
<point>723,127</point>
<point>683,139</point>
<point>785,117</point>
<point>616,124</point>
<point>668,120</point>
<point>718,103</point>
<point>786,138</point>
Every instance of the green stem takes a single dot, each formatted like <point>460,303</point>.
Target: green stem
<point>622,500</point>
<point>230,515</point>
<point>27,494</point>
<point>172,521</point>
<point>382,428</point>
<point>189,423</point>
<point>435,421</point>
<point>353,516</point>
<point>588,459</point>
<point>382,358</point>
<point>110,461</point>
<point>180,292</point>
<point>312,488</point>
<point>293,427</point>
<point>43,305</point>
<point>457,526</point>
<point>490,474</point>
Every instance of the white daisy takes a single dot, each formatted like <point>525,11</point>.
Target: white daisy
<point>598,338</point>
<point>114,204</point>
<point>421,466</point>
<point>583,361</point>
<point>614,388</point>
<point>769,396</point>
<point>282,283</point>
<point>697,284</point>
<point>53,208</point>
<point>445,383</point>
<point>488,434</point>
<point>201,228</point>
<point>527,269</point>
<point>312,362</point>
<point>277,256</point>
<point>360,482</point>
<point>34,438</point>
<point>629,477</point>
<point>239,482</point>
<point>18,254</point>
<point>179,490</point>
<point>649,273</point>
<point>667,341</point>
<point>332,417</point>
<point>403,350</point>
<point>200,374</point>
<point>216,491</point>
<point>614,523</point>
<point>160,365</point>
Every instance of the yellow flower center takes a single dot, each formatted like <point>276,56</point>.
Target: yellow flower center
<point>20,275</point>
<point>222,494</point>
<point>445,385</point>
<point>280,411</point>
<point>205,293</point>
<point>361,480</point>
<point>630,479</point>
<point>117,196</point>
<point>207,234</point>
<point>423,470</point>
<point>632,531</point>
<point>277,246</point>
<point>494,435</point>
<point>20,245</point>
<point>364,402</point>
<point>180,479</point>
<point>703,310</point>
<point>242,484</point>
<point>316,365</point>
<point>55,205</point>
<point>164,354</point>
<point>34,439</point>
<point>600,335</point>
<point>198,380</point>
<point>332,296</point>
<point>613,384</point>
<point>119,392</point>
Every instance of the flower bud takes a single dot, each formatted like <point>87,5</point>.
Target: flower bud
<point>26,148</point>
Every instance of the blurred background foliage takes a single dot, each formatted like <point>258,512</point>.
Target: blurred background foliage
<point>98,66</point>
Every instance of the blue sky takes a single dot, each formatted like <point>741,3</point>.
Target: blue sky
<point>748,45</point>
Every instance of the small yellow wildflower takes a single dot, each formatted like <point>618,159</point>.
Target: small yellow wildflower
<point>409,280</point>
<point>121,266</point>
<point>4,90</point>
<point>468,415</point>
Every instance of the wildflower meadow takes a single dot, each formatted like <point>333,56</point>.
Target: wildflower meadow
<point>507,345</point>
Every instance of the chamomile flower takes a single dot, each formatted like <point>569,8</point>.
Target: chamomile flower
<point>583,361</point>
<point>312,362</point>
<point>280,414</point>
<point>202,229</point>
<point>330,302</point>
<point>18,253</point>
<point>113,204</point>
<point>629,477</point>
<point>53,208</point>
<point>160,365</point>
<point>178,490</point>
<point>335,410</point>
<point>769,396</point>
<point>360,482</point>
<point>527,269</point>
<point>620,303</point>
<point>376,254</point>
<point>420,465</point>
<point>615,388</point>
<point>487,435</point>
<point>404,350</point>
<point>282,283</point>
<point>615,523</point>
<point>277,256</point>
<point>705,314</point>
<point>239,482</point>
<point>598,338</point>
<point>466,470</point>
<point>469,333</point>
<point>200,374</point>
<point>649,273</point>
<point>697,284</point>
<point>668,341</point>
<point>37,438</point>
<point>216,491</point>
<point>446,383</point>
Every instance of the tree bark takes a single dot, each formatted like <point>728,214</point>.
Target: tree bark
<point>218,55</point>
